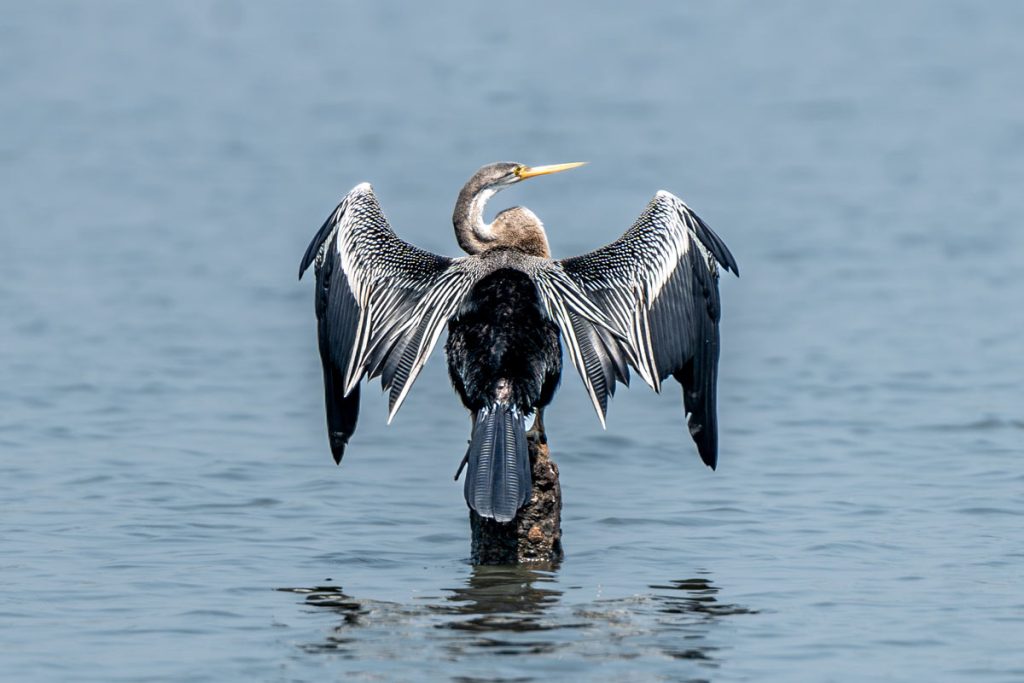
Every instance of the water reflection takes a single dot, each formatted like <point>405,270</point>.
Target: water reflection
<point>692,608</point>
<point>496,606</point>
<point>343,638</point>
<point>520,611</point>
<point>695,597</point>
<point>500,598</point>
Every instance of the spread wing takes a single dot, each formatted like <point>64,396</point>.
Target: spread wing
<point>381,305</point>
<point>658,285</point>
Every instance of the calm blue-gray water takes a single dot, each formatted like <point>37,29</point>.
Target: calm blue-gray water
<point>164,469</point>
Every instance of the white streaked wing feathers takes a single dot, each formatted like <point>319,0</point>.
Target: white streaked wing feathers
<point>627,276</point>
<point>590,337</point>
<point>404,297</point>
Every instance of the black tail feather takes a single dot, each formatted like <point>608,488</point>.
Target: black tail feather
<point>498,479</point>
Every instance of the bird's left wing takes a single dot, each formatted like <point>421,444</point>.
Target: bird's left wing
<point>381,305</point>
<point>658,284</point>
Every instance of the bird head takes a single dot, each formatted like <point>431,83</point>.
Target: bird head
<point>501,174</point>
<point>511,226</point>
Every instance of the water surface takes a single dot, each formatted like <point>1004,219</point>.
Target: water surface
<point>168,505</point>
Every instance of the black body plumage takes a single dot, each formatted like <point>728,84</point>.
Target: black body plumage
<point>505,361</point>
<point>502,346</point>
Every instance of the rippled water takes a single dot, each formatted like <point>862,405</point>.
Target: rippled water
<point>168,506</point>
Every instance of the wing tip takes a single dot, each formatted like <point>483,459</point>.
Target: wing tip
<point>338,442</point>
<point>729,264</point>
<point>725,258</point>
<point>708,454</point>
<point>310,255</point>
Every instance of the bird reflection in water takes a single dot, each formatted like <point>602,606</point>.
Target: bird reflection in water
<point>691,607</point>
<point>499,602</point>
<point>509,610</point>
<point>343,639</point>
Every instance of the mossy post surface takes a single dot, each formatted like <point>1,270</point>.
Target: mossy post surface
<point>534,537</point>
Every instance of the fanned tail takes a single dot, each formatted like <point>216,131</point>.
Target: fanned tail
<point>498,479</point>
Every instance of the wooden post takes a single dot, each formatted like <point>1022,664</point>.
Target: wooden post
<point>535,535</point>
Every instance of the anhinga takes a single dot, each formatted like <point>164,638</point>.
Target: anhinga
<point>648,301</point>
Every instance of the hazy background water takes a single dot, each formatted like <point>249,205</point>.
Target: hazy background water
<point>164,464</point>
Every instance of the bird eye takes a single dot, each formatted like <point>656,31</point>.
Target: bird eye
<point>518,169</point>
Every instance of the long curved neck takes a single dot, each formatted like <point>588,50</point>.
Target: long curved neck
<point>473,234</point>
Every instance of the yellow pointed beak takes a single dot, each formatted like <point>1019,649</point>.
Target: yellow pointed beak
<point>528,172</point>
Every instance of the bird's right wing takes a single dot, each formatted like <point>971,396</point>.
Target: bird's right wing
<point>658,284</point>
<point>381,305</point>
